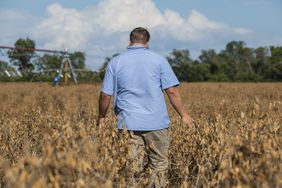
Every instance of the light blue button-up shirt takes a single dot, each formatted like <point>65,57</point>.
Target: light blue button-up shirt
<point>136,79</point>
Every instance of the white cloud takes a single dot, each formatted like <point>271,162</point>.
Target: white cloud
<point>63,27</point>
<point>173,18</point>
<point>199,21</point>
<point>241,30</point>
<point>123,15</point>
<point>103,29</point>
<point>197,28</point>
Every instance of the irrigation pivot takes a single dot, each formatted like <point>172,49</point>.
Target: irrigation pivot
<point>66,69</point>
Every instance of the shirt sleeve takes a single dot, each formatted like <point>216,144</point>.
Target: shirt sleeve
<point>109,80</point>
<point>168,78</point>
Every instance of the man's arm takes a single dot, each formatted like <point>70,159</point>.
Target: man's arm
<point>104,103</point>
<point>175,99</point>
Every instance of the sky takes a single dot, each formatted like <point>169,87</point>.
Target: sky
<point>101,28</point>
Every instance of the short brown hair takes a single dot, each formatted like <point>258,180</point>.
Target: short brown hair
<point>139,35</point>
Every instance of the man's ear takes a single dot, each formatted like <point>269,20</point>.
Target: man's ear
<point>129,43</point>
<point>147,45</point>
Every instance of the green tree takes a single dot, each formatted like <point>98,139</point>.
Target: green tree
<point>210,57</point>
<point>4,66</point>
<point>198,72</point>
<point>180,62</point>
<point>104,66</point>
<point>275,61</point>
<point>179,57</point>
<point>78,60</point>
<point>53,61</point>
<point>7,72</point>
<point>186,69</point>
<point>238,58</point>
<point>22,54</point>
<point>260,61</point>
<point>49,62</point>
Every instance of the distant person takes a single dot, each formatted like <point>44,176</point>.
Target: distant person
<point>57,79</point>
<point>137,79</point>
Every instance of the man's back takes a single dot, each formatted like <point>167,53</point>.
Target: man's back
<point>136,79</point>
<point>140,75</point>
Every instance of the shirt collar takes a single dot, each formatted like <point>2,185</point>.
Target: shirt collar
<point>135,47</point>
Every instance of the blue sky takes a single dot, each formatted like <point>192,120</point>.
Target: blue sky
<point>100,28</point>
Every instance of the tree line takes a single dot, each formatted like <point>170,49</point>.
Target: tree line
<point>236,62</point>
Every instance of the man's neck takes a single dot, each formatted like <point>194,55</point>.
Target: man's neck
<point>139,44</point>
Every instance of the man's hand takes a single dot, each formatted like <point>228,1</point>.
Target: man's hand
<point>99,121</point>
<point>188,121</point>
<point>175,100</point>
<point>104,103</point>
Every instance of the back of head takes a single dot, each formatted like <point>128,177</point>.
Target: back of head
<point>139,35</point>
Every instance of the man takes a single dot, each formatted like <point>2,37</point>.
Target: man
<point>137,79</point>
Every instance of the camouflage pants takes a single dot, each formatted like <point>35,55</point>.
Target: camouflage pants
<point>150,147</point>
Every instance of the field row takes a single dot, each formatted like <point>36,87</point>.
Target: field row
<point>49,138</point>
